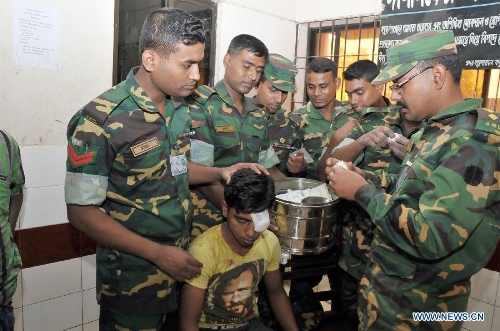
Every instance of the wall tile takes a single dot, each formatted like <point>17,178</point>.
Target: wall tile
<point>55,315</point>
<point>497,301</point>
<point>485,285</point>
<point>44,166</point>
<point>90,306</point>
<point>76,328</point>
<point>496,319</point>
<point>479,306</point>
<point>43,206</point>
<point>18,315</point>
<point>51,281</point>
<point>88,272</point>
<point>92,326</point>
<point>17,300</point>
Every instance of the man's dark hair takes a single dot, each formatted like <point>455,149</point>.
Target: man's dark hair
<point>246,42</point>
<point>166,28</point>
<point>263,78</point>
<point>451,62</point>
<point>321,65</point>
<point>362,69</point>
<point>249,192</point>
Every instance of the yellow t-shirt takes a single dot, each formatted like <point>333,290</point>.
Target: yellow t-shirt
<point>231,280</point>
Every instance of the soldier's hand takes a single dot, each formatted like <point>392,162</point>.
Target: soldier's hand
<point>177,263</point>
<point>377,138</point>
<point>296,163</point>
<point>398,145</point>
<point>229,171</point>
<point>344,182</point>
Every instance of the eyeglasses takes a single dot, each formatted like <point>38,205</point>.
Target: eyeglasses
<point>397,86</point>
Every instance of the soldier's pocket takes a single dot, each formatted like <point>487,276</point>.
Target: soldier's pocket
<point>413,177</point>
<point>252,149</point>
<point>393,264</point>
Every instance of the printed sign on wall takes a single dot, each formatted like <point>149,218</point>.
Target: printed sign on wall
<point>475,23</point>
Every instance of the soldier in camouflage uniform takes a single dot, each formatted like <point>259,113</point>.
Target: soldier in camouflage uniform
<point>440,223</point>
<point>230,127</point>
<point>319,113</point>
<point>285,128</point>
<point>127,177</point>
<point>361,94</point>
<point>373,117</point>
<point>11,200</point>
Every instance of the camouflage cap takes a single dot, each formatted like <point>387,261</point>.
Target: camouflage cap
<point>402,57</point>
<point>281,72</point>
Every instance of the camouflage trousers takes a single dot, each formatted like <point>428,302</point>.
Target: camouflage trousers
<point>387,303</point>
<point>349,295</point>
<point>7,318</point>
<point>110,320</point>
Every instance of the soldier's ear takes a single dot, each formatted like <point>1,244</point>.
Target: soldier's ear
<point>148,60</point>
<point>338,83</point>
<point>226,60</point>
<point>379,88</point>
<point>439,75</point>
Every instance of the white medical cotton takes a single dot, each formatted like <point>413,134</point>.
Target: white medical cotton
<point>261,221</point>
<point>341,164</point>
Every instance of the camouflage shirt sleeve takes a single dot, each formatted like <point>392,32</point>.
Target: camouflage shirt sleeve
<point>446,189</point>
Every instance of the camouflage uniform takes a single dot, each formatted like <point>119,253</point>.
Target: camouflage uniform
<point>357,228</point>
<point>286,135</point>
<point>441,223</point>
<point>233,137</point>
<point>11,184</point>
<point>286,129</point>
<point>317,133</point>
<point>120,156</point>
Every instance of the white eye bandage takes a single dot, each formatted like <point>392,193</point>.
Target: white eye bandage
<point>261,221</point>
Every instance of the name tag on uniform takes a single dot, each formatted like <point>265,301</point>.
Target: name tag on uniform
<point>224,128</point>
<point>178,164</point>
<point>313,135</point>
<point>145,146</point>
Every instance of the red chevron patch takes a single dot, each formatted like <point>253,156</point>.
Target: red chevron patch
<point>80,159</point>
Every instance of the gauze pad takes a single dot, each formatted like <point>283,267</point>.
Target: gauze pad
<point>341,164</point>
<point>396,135</point>
<point>261,221</point>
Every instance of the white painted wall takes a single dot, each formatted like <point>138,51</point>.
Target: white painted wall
<point>38,102</point>
<point>275,30</point>
<point>320,10</point>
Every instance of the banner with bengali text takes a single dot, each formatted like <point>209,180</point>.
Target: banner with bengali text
<point>475,23</point>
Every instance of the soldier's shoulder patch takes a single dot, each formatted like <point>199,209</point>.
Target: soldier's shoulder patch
<point>99,109</point>
<point>202,93</point>
<point>488,121</point>
<point>79,156</point>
